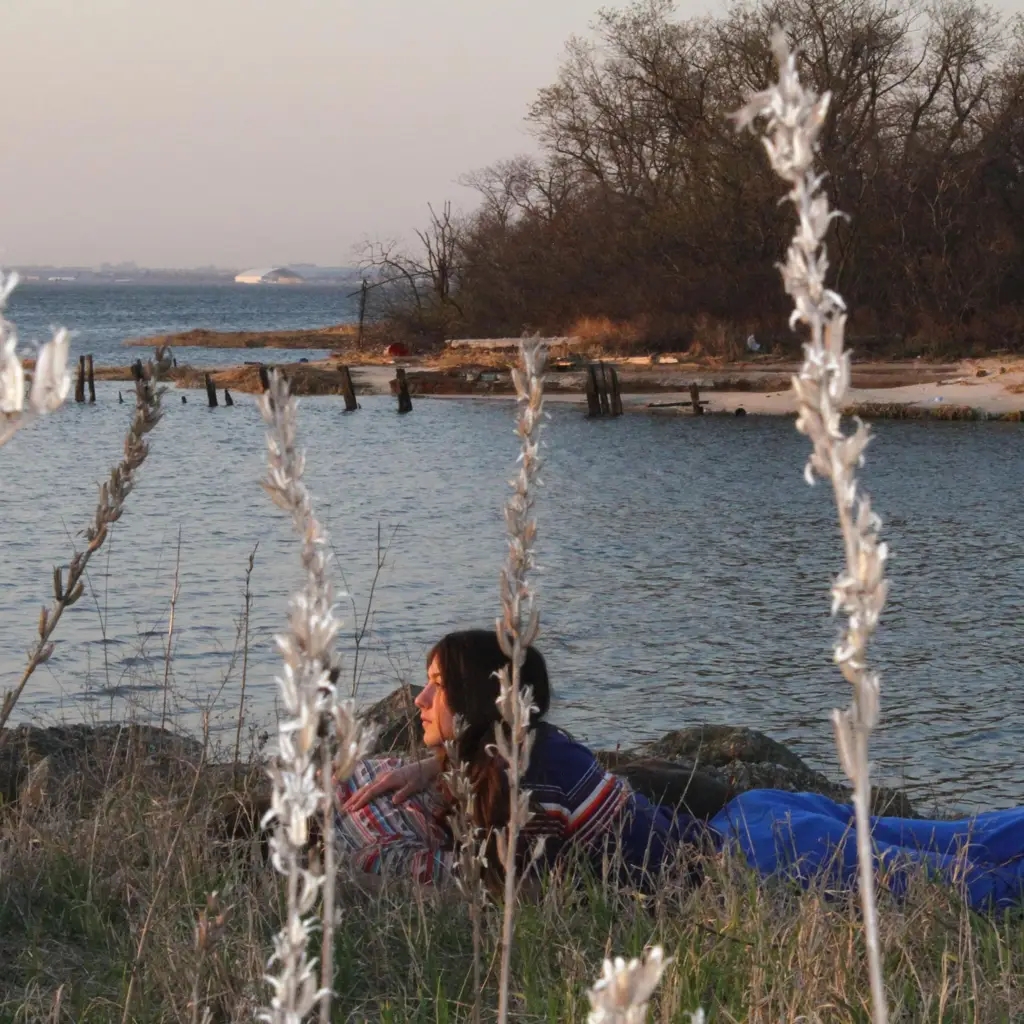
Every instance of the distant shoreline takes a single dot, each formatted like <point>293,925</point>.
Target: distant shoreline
<point>327,338</point>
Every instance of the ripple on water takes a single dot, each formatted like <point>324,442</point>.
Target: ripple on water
<point>685,570</point>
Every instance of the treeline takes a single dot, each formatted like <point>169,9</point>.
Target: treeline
<point>649,219</point>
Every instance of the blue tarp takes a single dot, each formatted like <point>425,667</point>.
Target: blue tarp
<point>806,836</point>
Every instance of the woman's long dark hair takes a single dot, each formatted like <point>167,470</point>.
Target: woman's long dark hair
<point>469,662</point>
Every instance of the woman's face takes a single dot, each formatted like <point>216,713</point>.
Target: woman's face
<point>436,716</point>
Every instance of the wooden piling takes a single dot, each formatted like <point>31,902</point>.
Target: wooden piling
<point>602,391</point>
<point>604,397</point>
<point>698,408</point>
<point>139,375</point>
<point>90,378</point>
<point>211,392</point>
<point>228,400</point>
<point>615,395</point>
<point>362,315</point>
<point>348,390</point>
<point>593,402</point>
<point>264,377</point>
<point>404,401</point>
<point>80,381</point>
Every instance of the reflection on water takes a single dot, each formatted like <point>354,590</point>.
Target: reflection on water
<point>685,577</point>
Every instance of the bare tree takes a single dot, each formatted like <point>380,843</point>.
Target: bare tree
<point>420,286</point>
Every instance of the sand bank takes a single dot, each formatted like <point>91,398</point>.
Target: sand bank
<point>947,391</point>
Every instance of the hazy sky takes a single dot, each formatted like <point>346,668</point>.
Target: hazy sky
<point>254,132</point>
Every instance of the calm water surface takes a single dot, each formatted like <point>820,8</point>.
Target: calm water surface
<point>101,317</point>
<point>685,576</point>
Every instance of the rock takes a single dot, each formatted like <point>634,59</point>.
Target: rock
<point>719,745</point>
<point>397,722</point>
<point>85,757</point>
<point>666,782</point>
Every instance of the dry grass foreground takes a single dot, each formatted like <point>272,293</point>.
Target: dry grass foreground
<point>106,882</point>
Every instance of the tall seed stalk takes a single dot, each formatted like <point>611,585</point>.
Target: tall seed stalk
<point>319,739</point>
<point>793,117</point>
<point>621,994</point>
<point>517,628</point>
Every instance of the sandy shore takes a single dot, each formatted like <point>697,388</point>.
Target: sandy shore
<point>988,387</point>
<point>1000,391</point>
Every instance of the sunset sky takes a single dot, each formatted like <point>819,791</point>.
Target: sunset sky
<point>251,132</point>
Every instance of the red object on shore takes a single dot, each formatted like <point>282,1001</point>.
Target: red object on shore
<point>396,348</point>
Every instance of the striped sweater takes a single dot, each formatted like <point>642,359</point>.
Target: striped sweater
<point>578,806</point>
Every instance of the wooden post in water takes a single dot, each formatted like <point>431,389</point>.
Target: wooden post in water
<point>698,409</point>
<point>80,380</point>
<point>404,401</point>
<point>211,392</point>
<point>264,377</point>
<point>593,402</point>
<point>348,390</point>
<point>602,391</point>
<point>362,316</point>
<point>140,376</point>
<point>228,400</point>
<point>90,379</point>
<point>614,393</point>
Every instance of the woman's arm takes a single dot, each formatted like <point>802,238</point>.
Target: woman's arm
<point>403,782</point>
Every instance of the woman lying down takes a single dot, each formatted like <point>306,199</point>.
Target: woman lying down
<point>393,813</point>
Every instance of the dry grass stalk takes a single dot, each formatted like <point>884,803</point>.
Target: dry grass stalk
<point>162,877</point>
<point>175,590</point>
<point>471,845</point>
<point>794,116</point>
<point>245,647</point>
<point>315,722</point>
<point>517,629</point>
<point>50,379</point>
<point>68,586</point>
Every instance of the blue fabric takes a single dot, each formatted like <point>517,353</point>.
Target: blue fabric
<point>805,836</point>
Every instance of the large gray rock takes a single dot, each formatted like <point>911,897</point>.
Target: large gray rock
<point>87,758</point>
<point>715,746</point>
<point>396,721</point>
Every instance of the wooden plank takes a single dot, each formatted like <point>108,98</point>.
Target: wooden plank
<point>404,400</point>
<point>593,402</point>
<point>348,390</point>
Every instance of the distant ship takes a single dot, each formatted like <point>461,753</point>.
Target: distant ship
<point>268,275</point>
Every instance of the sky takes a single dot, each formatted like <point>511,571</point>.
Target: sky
<point>242,133</point>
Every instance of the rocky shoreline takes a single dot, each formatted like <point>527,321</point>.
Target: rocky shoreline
<point>698,768</point>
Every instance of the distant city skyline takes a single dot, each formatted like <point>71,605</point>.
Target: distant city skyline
<point>244,133</point>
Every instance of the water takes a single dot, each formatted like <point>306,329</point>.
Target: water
<point>101,317</point>
<point>685,571</point>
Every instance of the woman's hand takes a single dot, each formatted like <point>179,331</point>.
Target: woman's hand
<point>404,782</point>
